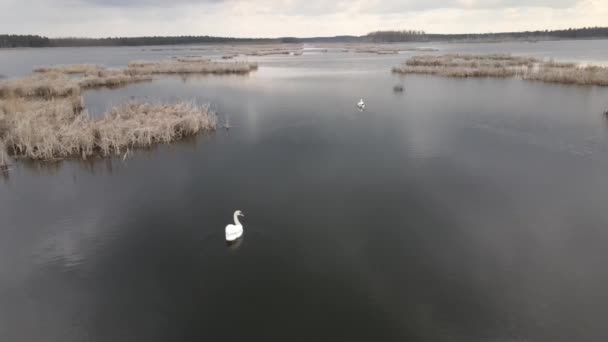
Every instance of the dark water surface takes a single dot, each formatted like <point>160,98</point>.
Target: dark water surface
<point>459,210</point>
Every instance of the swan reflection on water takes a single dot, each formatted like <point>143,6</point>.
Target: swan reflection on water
<point>235,244</point>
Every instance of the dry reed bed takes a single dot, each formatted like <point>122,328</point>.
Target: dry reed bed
<point>111,78</point>
<point>70,68</point>
<point>190,67</point>
<point>60,128</point>
<point>262,50</point>
<point>192,59</point>
<point>46,85</point>
<point>384,50</point>
<point>52,84</point>
<point>274,52</point>
<point>43,117</point>
<point>505,66</point>
<point>4,160</point>
<point>93,76</point>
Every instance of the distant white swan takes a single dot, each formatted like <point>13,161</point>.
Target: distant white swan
<point>234,231</point>
<point>227,124</point>
<point>361,104</point>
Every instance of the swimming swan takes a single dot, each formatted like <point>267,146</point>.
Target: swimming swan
<point>235,231</point>
<point>361,104</point>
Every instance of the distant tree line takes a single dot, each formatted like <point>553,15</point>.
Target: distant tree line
<point>10,41</point>
<point>141,41</point>
<point>396,36</point>
<point>417,36</point>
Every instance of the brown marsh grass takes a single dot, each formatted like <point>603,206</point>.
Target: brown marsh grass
<point>387,50</point>
<point>53,84</point>
<point>190,67</point>
<point>46,85</point>
<point>191,59</point>
<point>4,160</point>
<point>111,78</point>
<point>70,68</point>
<point>60,128</point>
<point>46,129</point>
<point>136,124</point>
<point>577,75</point>
<point>505,66</point>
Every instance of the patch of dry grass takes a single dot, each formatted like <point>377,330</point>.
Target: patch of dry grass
<point>71,68</point>
<point>261,50</point>
<point>505,66</point>
<point>50,85</point>
<point>377,50</point>
<point>137,124</point>
<point>577,75</point>
<point>46,129</point>
<point>60,128</point>
<point>192,59</point>
<point>190,67</point>
<point>111,78</point>
<point>4,159</point>
<point>268,52</point>
<point>388,50</point>
<point>46,85</point>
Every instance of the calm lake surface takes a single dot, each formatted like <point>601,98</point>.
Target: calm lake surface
<point>458,210</point>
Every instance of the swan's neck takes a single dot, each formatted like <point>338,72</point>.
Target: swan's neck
<point>236,220</point>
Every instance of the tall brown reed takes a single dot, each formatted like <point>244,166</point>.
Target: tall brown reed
<point>190,67</point>
<point>505,66</point>
<point>60,128</point>
<point>46,85</point>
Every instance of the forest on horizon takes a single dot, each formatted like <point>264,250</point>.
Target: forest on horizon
<point>13,41</point>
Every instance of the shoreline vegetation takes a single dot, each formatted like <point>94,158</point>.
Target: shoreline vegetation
<point>505,66</point>
<point>43,117</point>
<point>12,41</point>
<point>59,128</point>
<point>189,66</point>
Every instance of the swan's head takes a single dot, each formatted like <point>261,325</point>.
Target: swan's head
<point>239,213</point>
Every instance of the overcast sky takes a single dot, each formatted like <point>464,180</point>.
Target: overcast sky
<point>299,18</point>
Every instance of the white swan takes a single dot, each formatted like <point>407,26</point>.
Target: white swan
<point>361,104</point>
<point>234,231</point>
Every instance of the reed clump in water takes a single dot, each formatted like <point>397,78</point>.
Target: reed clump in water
<point>4,160</point>
<point>61,128</point>
<point>576,75</point>
<point>136,124</point>
<point>190,67</point>
<point>46,85</point>
<point>191,59</point>
<point>388,50</point>
<point>94,76</point>
<point>70,68</point>
<point>111,78</point>
<point>45,129</point>
<point>505,66</point>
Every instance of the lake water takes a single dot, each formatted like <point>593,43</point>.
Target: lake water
<point>458,210</point>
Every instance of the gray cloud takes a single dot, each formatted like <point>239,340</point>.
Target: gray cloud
<point>272,18</point>
<point>330,7</point>
<point>148,3</point>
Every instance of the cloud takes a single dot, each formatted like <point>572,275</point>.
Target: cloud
<point>272,18</point>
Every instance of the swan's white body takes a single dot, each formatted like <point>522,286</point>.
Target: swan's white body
<point>361,104</point>
<point>234,231</point>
